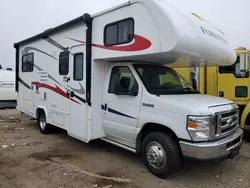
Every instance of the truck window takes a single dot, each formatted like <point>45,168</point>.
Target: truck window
<point>78,67</point>
<point>162,80</point>
<point>124,78</point>
<point>28,62</point>
<point>119,32</point>
<point>233,69</point>
<point>64,63</point>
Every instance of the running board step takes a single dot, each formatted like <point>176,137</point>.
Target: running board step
<point>118,144</point>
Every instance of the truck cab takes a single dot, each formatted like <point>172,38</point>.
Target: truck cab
<point>149,108</point>
<point>238,77</point>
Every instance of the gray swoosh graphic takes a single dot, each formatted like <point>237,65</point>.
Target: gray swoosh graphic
<point>80,91</point>
<point>29,48</point>
<point>54,43</point>
<point>38,67</point>
<point>49,76</point>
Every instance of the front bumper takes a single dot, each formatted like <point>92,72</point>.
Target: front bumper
<point>225,147</point>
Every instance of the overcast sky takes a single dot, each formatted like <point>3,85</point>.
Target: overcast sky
<point>21,19</point>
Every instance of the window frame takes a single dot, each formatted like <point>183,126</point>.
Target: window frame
<point>117,23</point>
<point>61,54</point>
<point>80,53</point>
<point>136,82</point>
<point>233,67</point>
<point>32,62</point>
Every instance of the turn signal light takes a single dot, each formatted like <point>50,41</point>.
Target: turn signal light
<point>192,126</point>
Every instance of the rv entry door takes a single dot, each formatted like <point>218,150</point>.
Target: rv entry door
<point>77,85</point>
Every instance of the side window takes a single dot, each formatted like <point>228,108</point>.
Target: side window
<point>28,62</point>
<point>78,67</point>
<point>122,82</point>
<point>120,32</point>
<point>241,91</point>
<point>64,63</point>
<point>233,69</point>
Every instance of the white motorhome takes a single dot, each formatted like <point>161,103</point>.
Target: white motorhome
<point>104,76</point>
<point>8,95</point>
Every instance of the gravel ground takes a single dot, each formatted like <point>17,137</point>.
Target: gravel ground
<point>29,159</point>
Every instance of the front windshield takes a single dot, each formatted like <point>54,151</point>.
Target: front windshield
<point>161,80</point>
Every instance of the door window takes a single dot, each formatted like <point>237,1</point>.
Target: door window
<point>233,69</point>
<point>122,80</point>
<point>78,67</point>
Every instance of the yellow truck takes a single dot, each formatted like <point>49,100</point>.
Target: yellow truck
<point>231,82</point>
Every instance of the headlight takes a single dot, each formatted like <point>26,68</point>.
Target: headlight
<point>199,127</point>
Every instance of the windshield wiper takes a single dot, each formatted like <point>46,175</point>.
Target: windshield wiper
<point>191,90</point>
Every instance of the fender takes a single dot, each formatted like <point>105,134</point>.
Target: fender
<point>244,115</point>
<point>43,108</point>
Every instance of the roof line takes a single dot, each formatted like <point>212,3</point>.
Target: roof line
<point>84,18</point>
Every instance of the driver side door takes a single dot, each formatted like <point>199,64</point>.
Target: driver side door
<point>121,111</point>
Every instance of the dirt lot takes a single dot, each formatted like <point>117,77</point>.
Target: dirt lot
<point>29,159</point>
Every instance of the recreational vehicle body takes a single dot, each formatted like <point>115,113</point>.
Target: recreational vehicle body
<point>102,76</point>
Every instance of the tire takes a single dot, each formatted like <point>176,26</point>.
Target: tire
<point>42,124</point>
<point>246,136</point>
<point>167,151</point>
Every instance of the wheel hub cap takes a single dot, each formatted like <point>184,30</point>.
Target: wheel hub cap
<point>156,155</point>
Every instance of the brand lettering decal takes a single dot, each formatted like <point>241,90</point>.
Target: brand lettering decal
<point>7,84</point>
<point>213,34</point>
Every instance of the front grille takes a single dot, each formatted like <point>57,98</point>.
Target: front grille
<point>226,123</point>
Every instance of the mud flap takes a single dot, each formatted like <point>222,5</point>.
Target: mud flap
<point>234,152</point>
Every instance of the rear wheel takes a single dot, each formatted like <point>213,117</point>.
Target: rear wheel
<point>43,126</point>
<point>161,154</point>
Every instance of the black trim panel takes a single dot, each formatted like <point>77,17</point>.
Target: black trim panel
<point>88,59</point>
<point>85,18</point>
<point>25,84</point>
<point>17,68</point>
<point>80,99</point>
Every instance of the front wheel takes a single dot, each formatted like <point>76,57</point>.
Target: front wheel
<point>161,154</point>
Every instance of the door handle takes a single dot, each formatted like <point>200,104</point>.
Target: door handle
<point>105,106</point>
<point>72,94</point>
<point>221,94</point>
<point>68,93</point>
<point>68,79</point>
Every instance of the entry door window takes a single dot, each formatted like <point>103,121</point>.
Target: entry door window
<point>78,67</point>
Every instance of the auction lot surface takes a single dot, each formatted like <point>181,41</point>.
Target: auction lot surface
<point>29,159</point>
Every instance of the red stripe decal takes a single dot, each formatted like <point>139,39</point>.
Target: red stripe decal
<point>140,43</point>
<point>55,89</point>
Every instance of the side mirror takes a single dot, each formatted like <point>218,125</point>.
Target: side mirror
<point>134,90</point>
<point>244,64</point>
